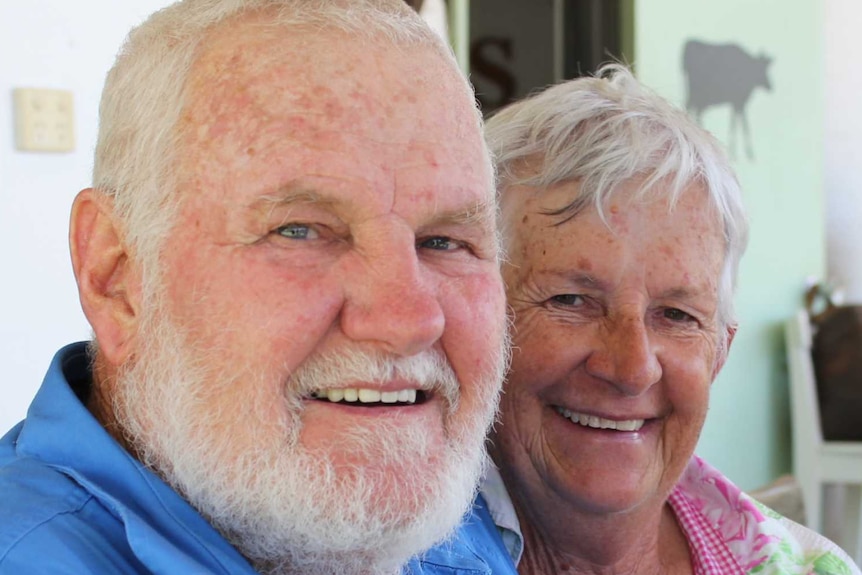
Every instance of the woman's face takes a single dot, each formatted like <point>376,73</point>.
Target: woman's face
<point>615,346</point>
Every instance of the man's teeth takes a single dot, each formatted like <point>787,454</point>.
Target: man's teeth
<point>600,422</point>
<point>352,395</point>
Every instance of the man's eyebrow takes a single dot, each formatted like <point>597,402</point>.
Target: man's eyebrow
<point>290,195</point>
<point>483,212</point>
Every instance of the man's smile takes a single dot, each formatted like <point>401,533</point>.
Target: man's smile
<point>371,396</point>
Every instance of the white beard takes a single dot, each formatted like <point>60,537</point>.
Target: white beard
<point>286,509</point>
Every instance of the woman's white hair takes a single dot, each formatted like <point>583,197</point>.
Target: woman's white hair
<point>606,130</point>
<point>145,92</point>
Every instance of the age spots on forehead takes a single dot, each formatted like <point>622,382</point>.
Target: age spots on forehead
<point>311,97</point>
<point>584,264</point>
<point>430,158</point>
<point>333,108</point>
<point>361,101</point>
<point>619,225</point>
<point>670,251</point>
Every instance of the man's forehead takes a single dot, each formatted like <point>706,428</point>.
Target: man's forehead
<point>241,48</point>
<point>249,39</point>
<point>265,104</point>
<point>329,73</point>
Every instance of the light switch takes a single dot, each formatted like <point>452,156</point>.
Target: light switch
<point>44,120</point>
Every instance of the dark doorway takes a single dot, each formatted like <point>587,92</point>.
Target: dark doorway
<point>518,46</point>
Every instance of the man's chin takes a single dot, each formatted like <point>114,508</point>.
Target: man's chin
<point>364,515</point>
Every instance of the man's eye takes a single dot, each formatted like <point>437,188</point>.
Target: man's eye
<point>440,243</point>
<point>296,232</point>
<point>675,314</point>
<point>568,299</point>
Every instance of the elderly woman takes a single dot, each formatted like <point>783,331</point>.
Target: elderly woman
<point>624,228</point>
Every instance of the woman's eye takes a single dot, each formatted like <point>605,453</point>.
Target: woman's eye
<point>568,299</point>
<point>440,243</point>
<point>675,314</point>
<point>296,232</point>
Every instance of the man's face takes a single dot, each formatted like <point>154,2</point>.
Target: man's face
<point>615,347</point>
<point>336,211</point>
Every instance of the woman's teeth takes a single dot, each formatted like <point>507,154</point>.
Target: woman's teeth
<point>600,422</point>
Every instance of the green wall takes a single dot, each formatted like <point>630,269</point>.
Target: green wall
<point>747,434</point>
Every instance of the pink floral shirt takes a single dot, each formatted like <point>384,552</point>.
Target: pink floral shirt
<point>728,532</point>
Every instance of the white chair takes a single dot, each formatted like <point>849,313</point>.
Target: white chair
<point>817,462</point>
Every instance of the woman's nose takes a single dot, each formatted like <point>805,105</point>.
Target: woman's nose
<point>624,356</point>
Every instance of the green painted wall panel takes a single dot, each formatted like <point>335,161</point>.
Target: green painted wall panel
<point>747,434</point>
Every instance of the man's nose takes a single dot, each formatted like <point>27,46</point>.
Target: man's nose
<point>623,356</point>
<point>391,301</point>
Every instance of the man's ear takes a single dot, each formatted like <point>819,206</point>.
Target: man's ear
<point>724,350</point>
<point>108,281</point>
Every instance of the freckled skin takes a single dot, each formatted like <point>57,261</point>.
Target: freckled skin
<point>639,342</point>
<point>363,129</point>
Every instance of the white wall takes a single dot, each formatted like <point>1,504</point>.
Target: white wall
<point>843,145</point>
<point>63,45</point>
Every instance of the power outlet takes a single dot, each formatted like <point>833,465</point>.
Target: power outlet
<point>44,120</point>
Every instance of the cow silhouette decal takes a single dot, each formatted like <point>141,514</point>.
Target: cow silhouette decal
<point>724,74</point>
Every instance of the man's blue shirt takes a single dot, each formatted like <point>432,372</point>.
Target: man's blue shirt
<point>72,500</point>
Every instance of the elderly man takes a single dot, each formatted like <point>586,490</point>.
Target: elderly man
<point>625,227</point>
<point>289,262</point>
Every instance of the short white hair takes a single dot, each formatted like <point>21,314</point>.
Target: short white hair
<point>145,92</point>
<point>606,130</point>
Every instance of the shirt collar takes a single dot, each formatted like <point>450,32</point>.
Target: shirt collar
<point>60,431</point>
<point>503,513</point>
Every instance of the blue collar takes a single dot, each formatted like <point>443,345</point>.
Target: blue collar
<point>60,431</point>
